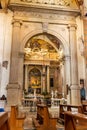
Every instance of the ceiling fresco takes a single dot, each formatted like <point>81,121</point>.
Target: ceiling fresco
<point>43,46</point>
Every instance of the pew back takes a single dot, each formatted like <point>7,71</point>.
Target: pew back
<point>4,125</point>
<point>66,107</point>
<point>84,104</point>
<point>16,118</point>
<point>44,118</point>
<point>75,121</point>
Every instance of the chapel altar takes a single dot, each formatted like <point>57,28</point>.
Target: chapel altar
<point>42,53</point>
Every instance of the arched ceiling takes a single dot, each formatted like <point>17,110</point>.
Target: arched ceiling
<point>43,46</point>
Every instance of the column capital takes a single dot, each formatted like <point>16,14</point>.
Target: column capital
<point>72,26</point>
<point>16,22</point>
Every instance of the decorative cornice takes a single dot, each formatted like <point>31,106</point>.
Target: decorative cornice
<point>50,2</point>
<point>58,7</point>
<point>41,15</point>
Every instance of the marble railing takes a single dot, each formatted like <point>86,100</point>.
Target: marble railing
<point>29,103</point>
<point>56,101</point>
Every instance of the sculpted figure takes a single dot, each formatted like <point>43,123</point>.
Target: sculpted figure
<point>4,4</point>
<point>62,2</point>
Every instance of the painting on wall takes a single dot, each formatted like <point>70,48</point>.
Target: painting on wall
<point>35,78</point>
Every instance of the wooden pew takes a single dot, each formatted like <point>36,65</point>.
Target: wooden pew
<point>44,119</point>
<point>16,118</point>
<point>75,121</point>
<point>4,125</point>
<point>66,107</point>
<point>84,104</point>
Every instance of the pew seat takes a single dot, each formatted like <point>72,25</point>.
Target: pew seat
<point>68,107</point>
<point>84,104</point>
<point>44,119</point>
<point>4,125</point>
<point>16,118</point>
<point>75,121</point>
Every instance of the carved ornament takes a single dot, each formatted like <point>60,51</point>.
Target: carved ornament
<point>42,16</point>
<point>54,2</point>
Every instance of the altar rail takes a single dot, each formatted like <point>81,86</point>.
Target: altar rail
<point>29,103</point>
<point>53,102</point>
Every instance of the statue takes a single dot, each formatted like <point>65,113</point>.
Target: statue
<point>63,2</point>
<point>4,4</point>
<point>56,93</point>
<point>52,93</point>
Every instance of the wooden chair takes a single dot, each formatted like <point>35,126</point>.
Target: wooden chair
<point>16,118</point>
<point>75,121</point>
<point>4,125</point>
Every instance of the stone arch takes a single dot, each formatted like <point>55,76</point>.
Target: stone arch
<point>52,32</point>
<point>36,68</point>
<point>62,41</point>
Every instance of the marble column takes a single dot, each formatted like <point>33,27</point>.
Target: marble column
<point>75,90</point>
<point>48,77</point>
<point>66,73</point>
<point>26,77</point>
<point>84,14</point>
<point>44,79</point>
<point>20,76</point>
<point>13,87</point>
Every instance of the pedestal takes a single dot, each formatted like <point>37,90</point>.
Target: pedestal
<point>13,94</point>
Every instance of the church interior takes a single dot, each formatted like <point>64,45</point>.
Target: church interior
<point>43,64</point>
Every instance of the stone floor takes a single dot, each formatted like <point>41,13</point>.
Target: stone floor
<point>31,112</point>
<point>29,115</point>
<point>28,123</point>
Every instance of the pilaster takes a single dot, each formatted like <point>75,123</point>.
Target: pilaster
<point>67,73</point>
<point>44,79</point>
<point>75,90</point>
<point>26,77</point>
<point>15,51</point>
<point>14,86</point>
<point>48,77</point>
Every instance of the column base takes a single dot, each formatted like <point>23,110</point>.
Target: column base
<point>13,91</point>
<point>75,95</point>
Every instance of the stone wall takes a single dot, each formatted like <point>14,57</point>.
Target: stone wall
<point>5,49</point>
